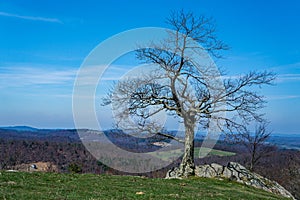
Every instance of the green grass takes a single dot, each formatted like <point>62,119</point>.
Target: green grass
<point>199,152</point>
<point>22,185</point>
<point>207,151</point>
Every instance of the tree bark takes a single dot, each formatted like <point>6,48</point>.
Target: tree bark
<point>187,166</point>
<point>252,161</point>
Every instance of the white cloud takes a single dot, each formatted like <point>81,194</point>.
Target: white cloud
<point>89,75</point>
<point>282,97</point>
<point>32,18</point>
<point>288,77</point>
<point>287,73</point>
<point>24,76</point>
<point>287,67</point>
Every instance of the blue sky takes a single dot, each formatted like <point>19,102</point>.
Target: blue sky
<point>43,44</point>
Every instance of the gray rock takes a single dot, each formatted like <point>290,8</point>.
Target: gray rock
<point>209,171</point>
<point>174,173</point>
<point>235,171</point>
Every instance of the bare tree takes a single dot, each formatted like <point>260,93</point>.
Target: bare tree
<point>255,143</point>
<point>184,88</point>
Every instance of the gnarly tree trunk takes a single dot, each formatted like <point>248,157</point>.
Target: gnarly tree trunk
<point>251,162</point>
<point>187,166</point>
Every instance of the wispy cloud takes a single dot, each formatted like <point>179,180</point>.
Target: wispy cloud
<point>287,73</point>
<point>89,75</point>
<point>25,76</point>
<point>282,97</point>
<point>288,77</point>
<point>32,18</point>
<point>292,66</point>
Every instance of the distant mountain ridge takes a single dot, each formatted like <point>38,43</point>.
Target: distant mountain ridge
<point>285,141</point>
<point>30,133</point>
<point>20,128</point>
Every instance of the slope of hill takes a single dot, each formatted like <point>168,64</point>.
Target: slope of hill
<point>21,185</point>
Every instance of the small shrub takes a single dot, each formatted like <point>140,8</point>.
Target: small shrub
<point>74,168</point>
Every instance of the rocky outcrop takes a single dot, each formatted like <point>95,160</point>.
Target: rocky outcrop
<point>174,173</point>
<point>236,172</point>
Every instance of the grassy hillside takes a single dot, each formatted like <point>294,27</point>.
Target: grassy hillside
<point>203,151</point>
<point>21,185</point>
<point>199,152</point>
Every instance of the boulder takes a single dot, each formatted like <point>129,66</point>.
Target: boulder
<point>209,171</point>
<point>236,172</point>
<point>174,173</point>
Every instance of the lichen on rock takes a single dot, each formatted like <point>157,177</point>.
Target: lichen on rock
<point>236,172</point>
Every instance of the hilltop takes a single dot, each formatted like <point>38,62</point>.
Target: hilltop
<point>23,185</point>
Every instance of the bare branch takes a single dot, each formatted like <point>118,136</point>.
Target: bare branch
<point>189,90</point>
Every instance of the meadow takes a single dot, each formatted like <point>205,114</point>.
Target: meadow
<point>37,185</point>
